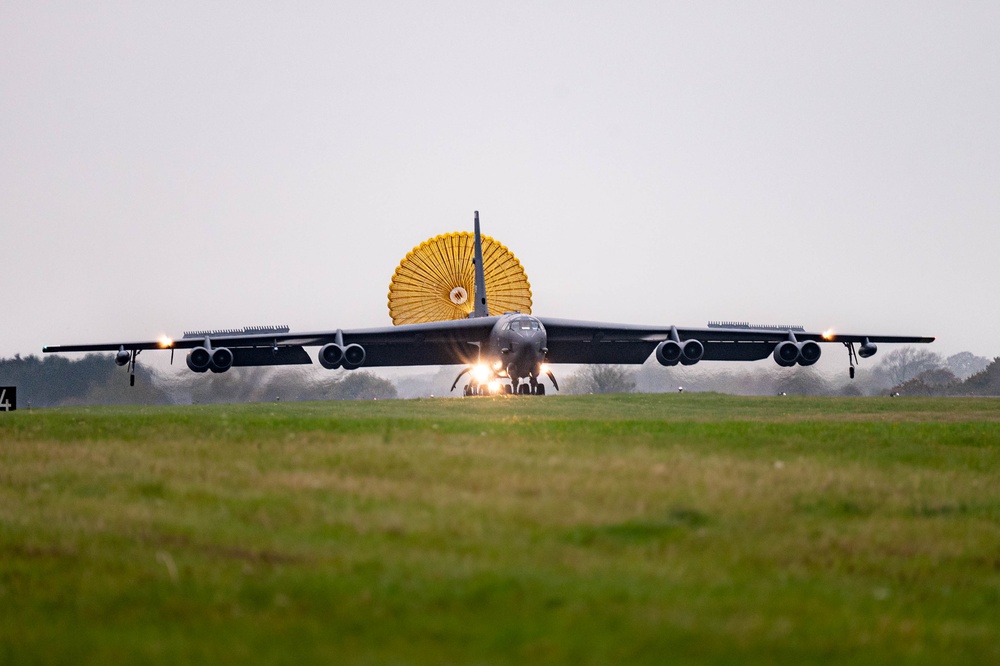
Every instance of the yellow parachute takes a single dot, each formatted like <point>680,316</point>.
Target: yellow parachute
<point>436,280</point>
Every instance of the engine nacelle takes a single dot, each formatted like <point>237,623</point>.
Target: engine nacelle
<point>122,357</point>
<point>222,359</point>
<point>669,352</point>
<point>868,349</point>
<point>331,356</point>
<point>809,352</point>
<point>786,354</point>
<point>354,356</point>
<point>692,351</point>
<point>198,359</point>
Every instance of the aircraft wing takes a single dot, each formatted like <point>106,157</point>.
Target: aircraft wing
<point>594,342</point>
<point>435,343</point>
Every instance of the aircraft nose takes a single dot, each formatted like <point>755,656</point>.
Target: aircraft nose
<point>532,338</point>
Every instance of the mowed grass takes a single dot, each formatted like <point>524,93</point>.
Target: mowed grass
<point>690,528</point>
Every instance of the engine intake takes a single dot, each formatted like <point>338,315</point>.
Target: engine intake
<point>669,352</point>
<point>222,359</point>
<point>786,354</point>
<point>693,350</point>
<point>198,359</point>
<point>809,352</point>
<point>331,356</point>
<point>354,356</point>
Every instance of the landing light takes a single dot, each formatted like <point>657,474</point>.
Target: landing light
<point>481,373</point>
<point>828,334</point>
<point>544,368</point>
<point>165,342</point>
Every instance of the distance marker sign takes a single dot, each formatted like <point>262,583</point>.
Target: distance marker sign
<point>8,398</point>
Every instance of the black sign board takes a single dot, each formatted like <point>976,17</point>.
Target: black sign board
<point>8,398</point>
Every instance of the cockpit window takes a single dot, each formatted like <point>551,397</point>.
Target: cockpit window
<point>524,324</point>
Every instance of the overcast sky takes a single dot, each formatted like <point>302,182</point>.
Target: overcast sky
<point>174,166</point>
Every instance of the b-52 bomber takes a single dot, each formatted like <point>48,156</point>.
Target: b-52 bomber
<point>504,353</point>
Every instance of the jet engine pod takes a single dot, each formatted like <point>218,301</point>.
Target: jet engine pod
<point>693,350</point>
<point>122,357</point>
<point>331,355</point>
<point>786,354</point>
<point>354,356</point>
<point>222,359</point>
<point>868,349</point>
<point>669,352</point>
<point>198,359</point>
<point>809,352</point>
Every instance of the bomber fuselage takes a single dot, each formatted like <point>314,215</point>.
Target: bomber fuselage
<point>516,348</point>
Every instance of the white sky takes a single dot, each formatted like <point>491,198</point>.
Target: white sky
<point>173,166</point>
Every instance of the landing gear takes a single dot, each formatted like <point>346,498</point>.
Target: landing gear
<point>852,357</point>
<point>530,387</point>
<point>131,367</point>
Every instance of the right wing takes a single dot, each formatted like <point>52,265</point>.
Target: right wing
<point>571,341</point>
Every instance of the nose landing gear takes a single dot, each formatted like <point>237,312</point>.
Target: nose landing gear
<point>522,388</point>
<point>479,386</point>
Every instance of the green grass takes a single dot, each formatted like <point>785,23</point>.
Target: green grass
<point>689,528</point>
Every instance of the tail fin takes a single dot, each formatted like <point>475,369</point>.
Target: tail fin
<point>480,309</point>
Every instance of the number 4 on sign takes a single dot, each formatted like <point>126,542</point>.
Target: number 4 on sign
<point>8,398</point>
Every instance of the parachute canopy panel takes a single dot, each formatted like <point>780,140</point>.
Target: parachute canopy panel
<point>436,281</point>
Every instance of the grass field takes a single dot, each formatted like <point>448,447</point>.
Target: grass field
<point>690,528</point>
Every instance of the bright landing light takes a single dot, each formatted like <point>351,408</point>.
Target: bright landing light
<point>481,373</point>
<point>545,368</point>
<point>828,334</point>
<point>164,341</point>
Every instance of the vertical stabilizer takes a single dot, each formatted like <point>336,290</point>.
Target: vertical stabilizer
<point>480,309</point>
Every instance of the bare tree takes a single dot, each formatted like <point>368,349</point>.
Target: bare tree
<point>361,385</point>
<point>602,379</point>
<point>965,364</point>
<point>905,363</point>
<point>984,382</point>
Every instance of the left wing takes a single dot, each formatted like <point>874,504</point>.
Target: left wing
<point>435,343</point>
<point>594,342</point>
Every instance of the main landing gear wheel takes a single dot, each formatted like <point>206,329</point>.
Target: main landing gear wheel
<point>540,389</point>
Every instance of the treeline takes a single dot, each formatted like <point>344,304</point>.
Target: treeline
<point>95,379</point>
<point>941,382</point>
<point>903,371</point>
<point>91,380</point>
